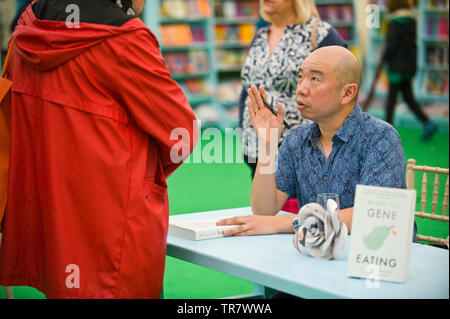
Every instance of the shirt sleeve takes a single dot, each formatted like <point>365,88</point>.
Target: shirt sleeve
<point>384,161</point>
<point>384,164</point>
<point>285,176</point>
<point>155,101</point>
<point>332,38</point>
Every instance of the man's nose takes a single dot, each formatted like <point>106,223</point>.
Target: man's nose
<point>302,88</point>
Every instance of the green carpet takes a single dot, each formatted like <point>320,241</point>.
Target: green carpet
<point>202,187</point>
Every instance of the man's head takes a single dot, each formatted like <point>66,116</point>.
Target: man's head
<point>329,81</point>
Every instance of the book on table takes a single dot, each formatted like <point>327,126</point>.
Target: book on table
<point>197,229</point>
<point>382,231</point>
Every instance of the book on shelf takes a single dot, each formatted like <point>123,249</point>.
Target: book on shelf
<point>190,62</point>
<point>436,55</point>
<point>197,87</point>
<point>229,91</point>
<point>231,58</point>
<point>436,83</point>
<point>246,32</point>
<point>242,33</point>
<point>236,9</point>
<point>336,13</point>
<point>182,9</point>
<point>345,33</point>
<point>438,4</point>
<point>442,28</point>
<point>437,27</point>
<point>176,34</point>
<point>198,34</point>
<point>233,112</point>
<point>204,8</point>
<point>206,113</point>
<point>380,3</point>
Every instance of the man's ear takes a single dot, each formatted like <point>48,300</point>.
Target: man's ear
<point>348,92</point>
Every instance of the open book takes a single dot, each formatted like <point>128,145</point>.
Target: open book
<point>197,229</point>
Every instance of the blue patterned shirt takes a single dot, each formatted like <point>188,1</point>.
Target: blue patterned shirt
<point>365,151</point>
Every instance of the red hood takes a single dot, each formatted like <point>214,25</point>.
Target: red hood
<point>45,44</point>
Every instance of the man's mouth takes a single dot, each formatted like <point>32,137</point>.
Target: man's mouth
<point>301,105</point>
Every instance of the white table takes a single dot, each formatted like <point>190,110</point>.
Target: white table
<point>272,261</point>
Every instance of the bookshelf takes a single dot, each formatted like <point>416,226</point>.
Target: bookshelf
<point>433,50</point>
<point>341,15</point>
<point>431,80</point>
<point>205,43</point>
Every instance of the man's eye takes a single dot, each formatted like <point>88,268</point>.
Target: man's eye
<point>314,79</point>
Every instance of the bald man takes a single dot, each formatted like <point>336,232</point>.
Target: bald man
<point>343,147</point>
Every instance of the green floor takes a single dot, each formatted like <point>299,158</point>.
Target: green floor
<point>202,187</point>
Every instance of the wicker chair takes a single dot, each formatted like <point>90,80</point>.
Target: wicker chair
<point>412,168</point>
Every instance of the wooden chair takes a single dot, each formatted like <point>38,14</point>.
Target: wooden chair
<point>411,169</point>
<point>8,290</point>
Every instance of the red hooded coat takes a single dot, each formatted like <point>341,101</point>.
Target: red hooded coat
<point>91,117</point>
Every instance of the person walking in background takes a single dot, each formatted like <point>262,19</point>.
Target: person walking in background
<point>274,58</point>
<point>401,58</point>
<point>92,112</point>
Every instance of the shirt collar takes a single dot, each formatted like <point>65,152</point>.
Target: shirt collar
<point>351,124</point>
<point>345,132</point>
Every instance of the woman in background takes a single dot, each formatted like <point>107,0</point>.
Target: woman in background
<point>401,58</point>
<point>273,61</point>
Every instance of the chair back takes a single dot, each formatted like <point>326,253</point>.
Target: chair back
<point>435,214</point>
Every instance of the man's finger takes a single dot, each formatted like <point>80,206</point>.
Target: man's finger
<point>262,91</point>
<point>280,114</point>
<point>229,221</point>
<point>251,95</point>
<point>240,230</point>
<point>258,98</point>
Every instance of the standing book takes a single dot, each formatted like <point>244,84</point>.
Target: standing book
<point>382,231</point>
<point>197,229</point>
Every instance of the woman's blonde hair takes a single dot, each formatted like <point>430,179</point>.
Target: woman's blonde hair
<point>304,10</point>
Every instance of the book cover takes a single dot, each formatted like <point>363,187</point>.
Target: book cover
<point>246,32</point>
<point>204,8</point>
<point>382,230</point>
<point>197,229</point>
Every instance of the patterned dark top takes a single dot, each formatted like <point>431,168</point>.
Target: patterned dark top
<point>365,151</point>
<point>278,72</point>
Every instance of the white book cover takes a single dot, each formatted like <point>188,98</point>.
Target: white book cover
<point>197,229</point>
<point>381,233</point>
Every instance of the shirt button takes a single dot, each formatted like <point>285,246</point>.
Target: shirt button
<point>324,177</point>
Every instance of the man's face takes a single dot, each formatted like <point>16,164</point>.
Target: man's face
<point>276,6</point>
<point>317,93</point>
<point>138,5</point>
